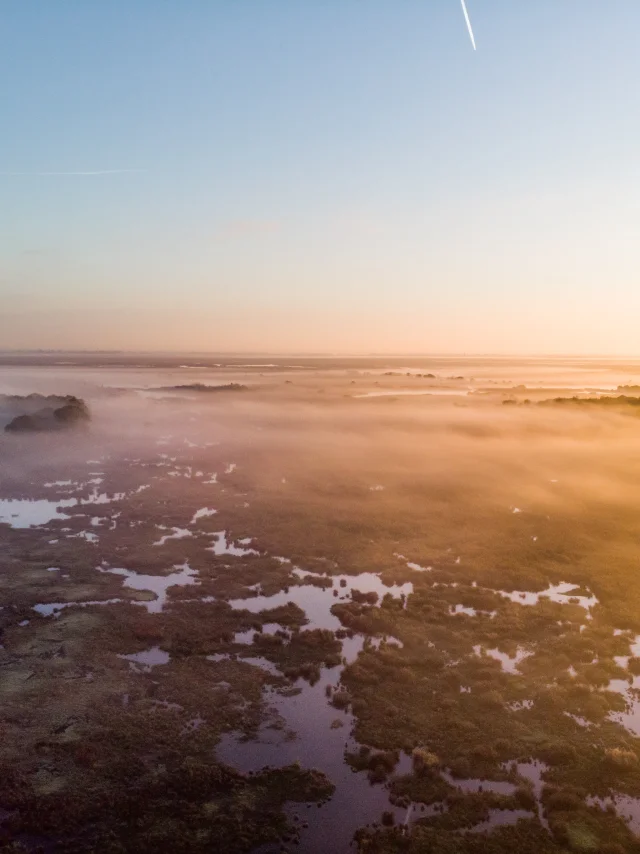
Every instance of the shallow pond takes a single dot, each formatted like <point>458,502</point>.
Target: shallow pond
<point>148,658</point>
<point>158,584</point>
<point>509,663</point>
<point>316,602</point>
<point>305,734</point>
<point>225,546</point>
<point>626,807</point>
<point>25,513</point>
<point>309,729</point>
<point>176,534</point>
<point>560,593</point>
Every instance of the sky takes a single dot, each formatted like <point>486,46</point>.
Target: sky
<point>320,176</point>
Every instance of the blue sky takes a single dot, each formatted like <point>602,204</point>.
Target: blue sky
<point>321,175</point>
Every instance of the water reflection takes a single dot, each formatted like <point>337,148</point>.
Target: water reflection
<point>29,514</point>
<point>158,584</point>
<point>305,734</point>
<point>316,601</point>
<point>147,659</point>
<point>303,726</point>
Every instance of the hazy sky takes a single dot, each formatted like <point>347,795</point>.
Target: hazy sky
<point>320,175</point>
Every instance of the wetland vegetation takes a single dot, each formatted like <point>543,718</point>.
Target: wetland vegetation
<point>289,621</point>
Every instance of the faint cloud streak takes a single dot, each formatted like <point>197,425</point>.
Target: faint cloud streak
<point>76,173</point>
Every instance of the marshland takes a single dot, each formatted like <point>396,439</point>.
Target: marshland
<point>315,612</point>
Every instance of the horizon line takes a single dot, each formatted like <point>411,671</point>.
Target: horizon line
<point>353,354</point>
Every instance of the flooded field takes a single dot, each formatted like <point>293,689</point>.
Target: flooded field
<point>279,617</point>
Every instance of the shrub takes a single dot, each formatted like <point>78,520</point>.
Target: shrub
<point>424,759</point>
<point>563,801</point>
<point>621,758</point>
<point>341,699</point>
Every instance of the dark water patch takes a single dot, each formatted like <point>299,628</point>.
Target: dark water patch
<point>304,732</point>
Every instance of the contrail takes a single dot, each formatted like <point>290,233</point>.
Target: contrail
<point>92,172</point>
<point>466,17</point>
